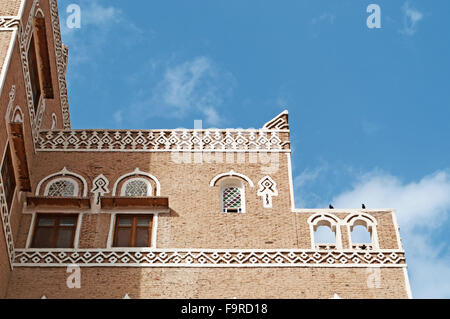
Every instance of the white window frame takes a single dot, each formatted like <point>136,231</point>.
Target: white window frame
<point>363,220</point>
<point>112,224</point>
<point>333,222</point>
<point>34,213</point>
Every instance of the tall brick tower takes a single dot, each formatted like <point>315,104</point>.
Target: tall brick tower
<point>161,213</point>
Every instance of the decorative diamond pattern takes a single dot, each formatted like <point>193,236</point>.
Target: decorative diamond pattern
<point>189,258</point>
<point>150,141</point>
<point>231,198</point>
<point>136,188</point>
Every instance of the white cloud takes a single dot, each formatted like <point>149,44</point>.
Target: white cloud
<point>99,22</point>
<point>309,175</point>
<point>324,17</point>
<point>411,18</point>
<point>193,86</point>
<point>304,195</point>
<point>92,14</point>
<point>118,118</point>
<point>423,209</point>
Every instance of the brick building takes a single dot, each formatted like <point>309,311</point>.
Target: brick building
<point>161,213</point>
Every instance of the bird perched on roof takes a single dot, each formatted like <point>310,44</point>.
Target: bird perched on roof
<point>330,206</point>
<point>363,206</point>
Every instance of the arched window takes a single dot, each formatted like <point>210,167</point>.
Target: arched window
<point>62,183</point>
<point>324,234</point>
<point>361,235</point>
<point>62,187</point>
<point>232,196</point>
<point>325,231</point>
<point>136,187</point>
<point>362,231</point>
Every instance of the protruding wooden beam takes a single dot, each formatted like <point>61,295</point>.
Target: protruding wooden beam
<point>20,158</point>
<point>45,74</point>
<point>58,202</point>
<point>135,202</point>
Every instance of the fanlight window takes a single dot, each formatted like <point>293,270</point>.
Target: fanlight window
<point>62,188</point>
<point>137,187</point>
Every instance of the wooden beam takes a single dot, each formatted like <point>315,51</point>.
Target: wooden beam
<point>134,202</point>
<point>45,74</point>
<point>58,202</point>
<point>20,158</point>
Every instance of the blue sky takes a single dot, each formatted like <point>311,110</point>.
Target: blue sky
<point>369,108</point>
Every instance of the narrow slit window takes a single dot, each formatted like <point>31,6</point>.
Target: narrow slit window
<point>34,74</point>
<point>9,178</point>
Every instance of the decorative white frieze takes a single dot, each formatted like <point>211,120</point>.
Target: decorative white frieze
<point>147,257</point>
<point>6,221</point>
<point>156,140</point>
<point>9,23</point>
<point>267,190</point>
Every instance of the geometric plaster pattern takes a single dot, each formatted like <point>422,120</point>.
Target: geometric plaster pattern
<point>147,257</point>
<point>156,140</point>
<point>267,189</point>
<point>6,220</point>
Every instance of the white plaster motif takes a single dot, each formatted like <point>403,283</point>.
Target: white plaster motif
<point>329,220</point>
<point>61,174</point>
<point>267,190</point>
<point>12,97</point>
<point>54,121</point>
<point>150,257</point>
<point>100,185</point>
<point>9,23</point>
<point>369,222</point>
<point>161,141</point>
<point>6,221</point>
<point>230,174</point>
<point>137,172</point>
<point>61,52</point>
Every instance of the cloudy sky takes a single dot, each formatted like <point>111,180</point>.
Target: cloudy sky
<point>369,108</point>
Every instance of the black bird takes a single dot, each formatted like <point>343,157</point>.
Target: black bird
<point>330,206</point>
<point>363,206</point>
